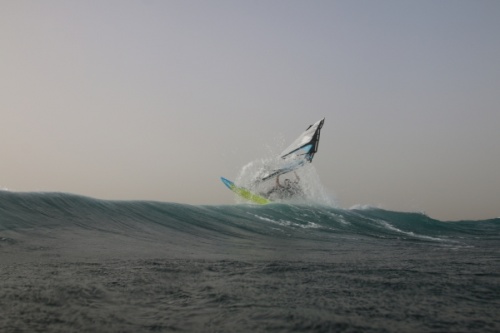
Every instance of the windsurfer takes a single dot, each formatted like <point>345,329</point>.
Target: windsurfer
<point>286,190</point>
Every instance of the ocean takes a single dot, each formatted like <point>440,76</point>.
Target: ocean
<point>70,263</point>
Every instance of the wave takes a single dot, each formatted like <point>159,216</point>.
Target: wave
<point>42,211</point>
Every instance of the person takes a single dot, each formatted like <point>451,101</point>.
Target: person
<point>288,189</point>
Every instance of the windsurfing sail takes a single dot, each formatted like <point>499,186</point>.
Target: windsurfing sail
<point>300,152</point>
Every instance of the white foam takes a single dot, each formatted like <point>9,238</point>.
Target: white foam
<point>409,233</point>
<point>286,223</point>
<point>362,207</point>
<point>339,218</point>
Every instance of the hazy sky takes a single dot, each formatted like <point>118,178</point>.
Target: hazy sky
<point>155,100</point>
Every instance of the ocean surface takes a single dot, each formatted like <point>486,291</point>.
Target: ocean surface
<point>75,264</point>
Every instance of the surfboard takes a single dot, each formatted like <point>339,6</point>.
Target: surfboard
<point>245,193</point>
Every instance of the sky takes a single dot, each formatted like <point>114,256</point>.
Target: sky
<point>155,100</point>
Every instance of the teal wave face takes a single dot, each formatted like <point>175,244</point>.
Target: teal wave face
<point>59,210</point>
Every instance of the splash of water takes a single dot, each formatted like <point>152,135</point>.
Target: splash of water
<point>313,190</point>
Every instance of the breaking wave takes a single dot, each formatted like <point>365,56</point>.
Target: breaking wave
<point>161,221</point>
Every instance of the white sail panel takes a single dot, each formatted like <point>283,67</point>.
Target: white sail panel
<point>301,151</point>
<point>307,142</point>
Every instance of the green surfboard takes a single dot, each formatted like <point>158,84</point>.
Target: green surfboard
<point>244,193</point>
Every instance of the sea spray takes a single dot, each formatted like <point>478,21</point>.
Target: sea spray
<point>309,182</point>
